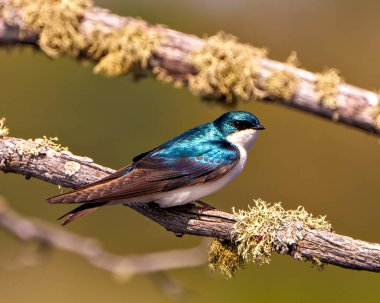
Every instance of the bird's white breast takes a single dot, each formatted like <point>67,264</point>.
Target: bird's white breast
<point>243,140</point>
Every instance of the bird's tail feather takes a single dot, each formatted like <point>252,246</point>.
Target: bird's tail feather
<point>81,211</point>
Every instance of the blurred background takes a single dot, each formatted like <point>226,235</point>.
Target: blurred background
<point>299,160</point>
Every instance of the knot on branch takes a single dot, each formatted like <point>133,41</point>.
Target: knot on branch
<point>327,88</point>
<point>226,69</point>
<point>56,21</point>
<point>4,131</point>
<point>258,232</point>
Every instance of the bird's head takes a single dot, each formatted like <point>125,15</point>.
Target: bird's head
<point>239,127</point>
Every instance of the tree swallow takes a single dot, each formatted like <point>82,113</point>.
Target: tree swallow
<point>186,168</point>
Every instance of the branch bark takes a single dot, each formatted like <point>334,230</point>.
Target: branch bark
<point>355,107</point>
<point>298,241</point>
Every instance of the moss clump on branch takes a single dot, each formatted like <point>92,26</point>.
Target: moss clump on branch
<point>256,235</point>
<point>4,131</point>
<point>223,256</point>
<point>327,87</point>
<point>34,147</point>
<point>283,83</point>
<point>57,23</point>
<point>226,69</point>
<point>122,50</point>
<point>162,75</point>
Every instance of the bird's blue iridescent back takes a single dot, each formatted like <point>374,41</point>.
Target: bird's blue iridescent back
<point>191,143</point>
<point>203,144</point>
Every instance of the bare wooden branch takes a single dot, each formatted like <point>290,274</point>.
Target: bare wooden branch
<point>28,229</point>
<point>355,107</point>
<point>295,240</point>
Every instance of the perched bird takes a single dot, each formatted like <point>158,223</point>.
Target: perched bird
<point>190,166</point>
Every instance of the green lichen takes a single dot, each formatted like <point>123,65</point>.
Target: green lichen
<point>71,168</point>
<point>327,87</point>
<point>318,264</point>
<point>226,69</point>
<point>223,256</point>
<point>255,235</point>
<point>4,131</point>
<point>283,83</point>
<point>123,50</point>
<point>162,75</point>
<point>34,147</point>
<point>57,23</point>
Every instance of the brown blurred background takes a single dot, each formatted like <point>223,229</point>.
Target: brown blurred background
<point>300,159</point>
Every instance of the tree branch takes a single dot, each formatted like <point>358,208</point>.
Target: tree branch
<point>354,106</point>
<point>296,240</point>
<point>27,229</point>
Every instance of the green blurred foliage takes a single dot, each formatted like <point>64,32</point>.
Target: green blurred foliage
<point>300,159</point>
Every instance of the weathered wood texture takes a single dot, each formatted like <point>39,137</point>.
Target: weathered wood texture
<point>296,240</point>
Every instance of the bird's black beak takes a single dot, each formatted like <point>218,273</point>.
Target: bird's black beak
<point>259,127</point>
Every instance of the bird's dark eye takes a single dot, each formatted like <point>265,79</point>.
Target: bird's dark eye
<point>241,124</point>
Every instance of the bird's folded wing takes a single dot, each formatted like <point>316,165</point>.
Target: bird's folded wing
<point>154,174</point>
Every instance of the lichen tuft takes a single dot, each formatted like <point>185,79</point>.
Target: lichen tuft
<point>318,264</point>
<point>162,75</point>
<point>255,235</point>
<point>327,87</point>
<point>34,147</point>
<point>223,256</point>
<point>57,23</point>
<point>283,83</point>
<point>4,131</point>
<point>123,50</point>
<point>255,230</point>
<point>226,69</point>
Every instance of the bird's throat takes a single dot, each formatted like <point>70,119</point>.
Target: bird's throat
<point>244,138</point>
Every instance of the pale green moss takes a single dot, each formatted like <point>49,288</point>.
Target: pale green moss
<point>123,50</point>
<point>162,75</point>
<point>327,87</point>
<point>226,69</point>
<point>283,83</point>
<point>4,131</point>
<point>264,221</point>
<point>255,235</point>
<point>223,256</point>
<point>318,263</point>
<point>33,147</point>
<point>56,22</point>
